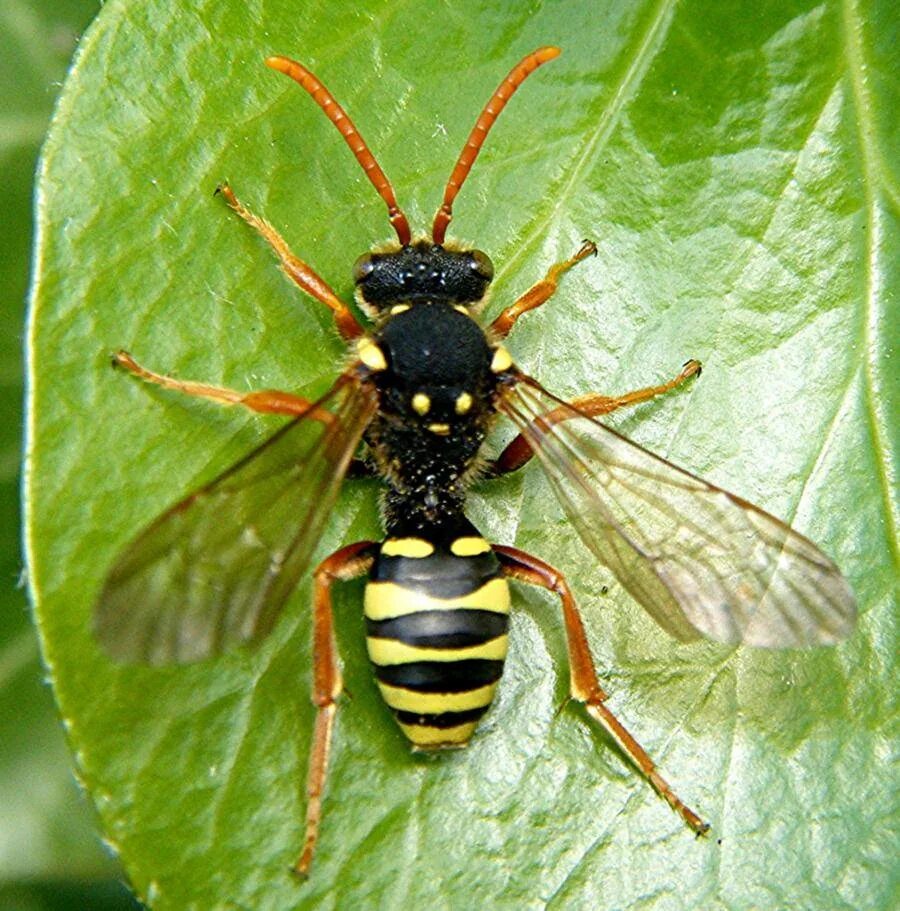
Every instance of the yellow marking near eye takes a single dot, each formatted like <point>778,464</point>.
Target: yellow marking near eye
<point>370,354</point>
<point>469,546</point>
<point>435,703</point>
<point>430,738</point>
<point>385,600</point>
<point>440,430</point>
<point>461,309</point>
<point>463,403</point>
<point>421,403</point>
<point>407,547</point>
<point>390,651</point>
<point>400,308</point>
<point>502,361</point>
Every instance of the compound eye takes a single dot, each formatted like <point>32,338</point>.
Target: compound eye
<point>481,263</point>
<point>363,268</point>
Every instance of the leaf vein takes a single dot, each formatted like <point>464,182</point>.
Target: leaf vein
<point>650,42</point>
<point>884,457</point>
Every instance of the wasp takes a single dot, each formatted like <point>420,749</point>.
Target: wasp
<point>423,384</point>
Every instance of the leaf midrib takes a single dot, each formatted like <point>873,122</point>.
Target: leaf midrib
<point>874,175</point>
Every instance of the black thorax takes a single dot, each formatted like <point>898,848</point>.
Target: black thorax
<point>437,399</point>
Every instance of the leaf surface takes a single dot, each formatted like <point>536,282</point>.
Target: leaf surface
<point>739,175</point>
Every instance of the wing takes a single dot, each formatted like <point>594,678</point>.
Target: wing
<point>214,571</point>
<point>699,559</point>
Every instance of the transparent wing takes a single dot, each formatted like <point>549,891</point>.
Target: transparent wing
<point>699,559</point>
<point>214,571</point>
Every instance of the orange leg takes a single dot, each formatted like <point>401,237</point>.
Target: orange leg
<point>269,401</point>
<point>346,563</point>
<point>295,269</point>
<point>541,292</point>
<point>518,452</point>
<point>584,685</point>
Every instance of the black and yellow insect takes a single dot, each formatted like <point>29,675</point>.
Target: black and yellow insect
<point>422,388</point>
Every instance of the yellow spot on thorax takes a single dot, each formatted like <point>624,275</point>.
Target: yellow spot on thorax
<point>407,547</point>
<point>470,546</point>
<point>501,361</point>
<point>421,403</point>
<point>441,430</point>
<point>370,354</point>
<point>463,403</point>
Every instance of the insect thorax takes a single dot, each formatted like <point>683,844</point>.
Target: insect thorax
<point>434,378</point>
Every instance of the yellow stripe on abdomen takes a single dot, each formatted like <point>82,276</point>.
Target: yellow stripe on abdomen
<point>426,737</point>
<point>404,700</point>
<point>392,651</point>
<point>384,600</point>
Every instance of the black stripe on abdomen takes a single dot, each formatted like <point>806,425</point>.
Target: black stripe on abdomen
<point>444,720</point>
<point>441,676</point>
<point>441,628</point>
<point>441,575</point>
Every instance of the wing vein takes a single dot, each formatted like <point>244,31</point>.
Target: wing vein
<point>697,558</point>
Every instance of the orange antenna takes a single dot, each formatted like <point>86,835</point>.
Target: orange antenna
<point>517,75</point>
<point>338,116</point>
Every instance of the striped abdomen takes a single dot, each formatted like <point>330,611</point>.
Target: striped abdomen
<point>437,617</point>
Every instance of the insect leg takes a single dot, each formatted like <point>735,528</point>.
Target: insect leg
<point>268,401</point>
<point>518,452</point>
<point>344,564</point>
<point>295,269</point>
<point>584,685</point>
<point>541,292</point>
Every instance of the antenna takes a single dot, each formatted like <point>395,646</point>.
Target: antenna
<point>517,75</point>
<point>338,116</point>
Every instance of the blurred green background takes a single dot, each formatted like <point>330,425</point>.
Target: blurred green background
<point>51,856</point>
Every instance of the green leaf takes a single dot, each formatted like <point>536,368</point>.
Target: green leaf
<point>739,174</point>
<point>49,849</point>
